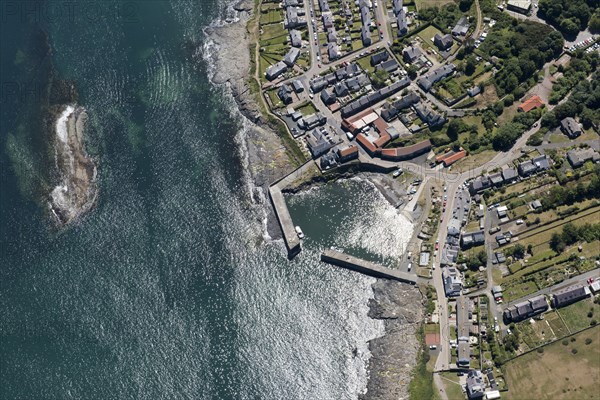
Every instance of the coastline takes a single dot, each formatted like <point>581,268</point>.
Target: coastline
<point>393,355</point>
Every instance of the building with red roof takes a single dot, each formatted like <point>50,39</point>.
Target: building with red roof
<point>531,103</point>
<point>448,161</point>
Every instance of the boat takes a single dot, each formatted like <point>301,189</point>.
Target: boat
<point>299,232</point>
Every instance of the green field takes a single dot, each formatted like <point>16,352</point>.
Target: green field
<point>576,314</point>
<point>560,372</point>
<point>430,3</point>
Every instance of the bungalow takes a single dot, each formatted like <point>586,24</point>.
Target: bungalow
<point>275,70</point>
<point>379,57</point>
<point>570,127</point>
<point>443,42</point>
<point>291,57</point>
<point>461,27</point>
<point>578,157</point>
<point>295,38</point>
<point>411,54</point>
<point>569,295</point>
<point>530,104</point>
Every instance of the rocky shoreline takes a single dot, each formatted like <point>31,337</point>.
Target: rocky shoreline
<point>400,306</point>
<point>76,192</point>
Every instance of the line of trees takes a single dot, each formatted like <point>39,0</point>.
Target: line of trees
<point>560,195</point>
<point>572,234</point>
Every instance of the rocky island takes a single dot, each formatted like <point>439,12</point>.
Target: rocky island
<point>76,190</point>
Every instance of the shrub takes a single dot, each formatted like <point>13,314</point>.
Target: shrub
<point>588,341</point>
<point>574,351</point>
<point>540,350</point>
<point>565,342</point>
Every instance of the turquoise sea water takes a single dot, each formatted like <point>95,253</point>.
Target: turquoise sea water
<point>168,288</point>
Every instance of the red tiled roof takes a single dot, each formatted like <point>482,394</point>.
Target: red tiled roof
<point>348,151</point>
<point>364,142</point>
<point>383,140</point>
<point>380,125</point>
<point>406,152</point>
<point>454,158</point>
<point>360,115</point>
<point>531,103</point>
<point>441,157</point>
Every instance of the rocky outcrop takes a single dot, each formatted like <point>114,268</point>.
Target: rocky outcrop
<point>394,355</point>
<point>76,190</point>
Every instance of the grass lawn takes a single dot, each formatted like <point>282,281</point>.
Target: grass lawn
<point>428,33</point>
<point>473,161</point>
<point>307,109</point>
<point>556,324</point>
<point>432,328</point>
<point>576,314</point>
<point>557,372</point>
<point>452,386</point>
<point>271,16</point>
<point>420,4</point>
<point>365,64</point>
<point>518,290</point>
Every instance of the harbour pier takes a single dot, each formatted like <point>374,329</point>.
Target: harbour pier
<point>366,267</point>
<point>284,218</point>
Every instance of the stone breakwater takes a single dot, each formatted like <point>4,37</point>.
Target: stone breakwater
<point>76,191</point>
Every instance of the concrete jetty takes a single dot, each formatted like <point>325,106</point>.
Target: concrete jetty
<point>366,267</point>
<point>290,236</point>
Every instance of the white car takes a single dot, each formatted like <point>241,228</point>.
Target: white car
<point>397,173</point>
<point>519,221</point>
<point>299,232</point>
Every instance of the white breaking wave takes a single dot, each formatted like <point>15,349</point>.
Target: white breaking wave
<point>61,124</point>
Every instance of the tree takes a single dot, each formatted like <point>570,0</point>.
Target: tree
<point>455,127</point>
<point>595,23</point>
<point>412,71</point>
<point>519,251</point>
<point>470,65</point>
<point>570,26</point>
<point>379,77</point>
<point>556,243</point>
